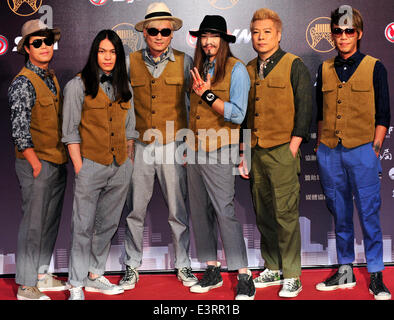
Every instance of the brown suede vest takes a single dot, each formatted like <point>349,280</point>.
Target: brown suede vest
<point>103,129</point>
<point>348,108</point>
<point>214,131</point>
<point>271,104</point>
<point>158,100</point>
<point>46,121</point>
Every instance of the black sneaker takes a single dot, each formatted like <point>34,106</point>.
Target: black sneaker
<point>210,280</point>
<point>245,287</point>
<point>343,279</point>
<point>377,287</point>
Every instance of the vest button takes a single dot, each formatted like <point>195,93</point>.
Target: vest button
<point>153,81</point>
<point>112,149</point>
<point>110,104</point>
<point>153,111</point>
<point>153,127</point>
<point>257,114</point>
<point>257,83</point>
<point>339,101</point>
<point>340,86</point>
<point>200,102</point>
<point>254,130</point>
<point>153,97</point>
<point>110,119</point>
<point>112,134</point>
<point>336,131</point>
<point>257,99</point>
<point>56,100</point>
<point>339,116</point>
<point>197,117</point>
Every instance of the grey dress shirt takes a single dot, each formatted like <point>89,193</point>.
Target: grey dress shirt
<point>74,96</point>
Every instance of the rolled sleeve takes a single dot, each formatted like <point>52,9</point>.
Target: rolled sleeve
<point>74,96</point>
<point>303,101</point>
<point>235,109</point>
<point>21,97</point>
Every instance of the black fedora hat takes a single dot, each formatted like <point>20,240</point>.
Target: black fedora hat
<point>214,24</point>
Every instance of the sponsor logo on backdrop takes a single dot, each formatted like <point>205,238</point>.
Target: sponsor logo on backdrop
<point>3,45</point>
<point>391,173</point>
<point>318,35</point>
<point>98,2</point>
<point>386,155</point>
<point>24,7</point>
<point>389,32</point>
<point>132,39</point>
<point>223,4</point>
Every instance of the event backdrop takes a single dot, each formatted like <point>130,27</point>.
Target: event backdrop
<point>305,33</point>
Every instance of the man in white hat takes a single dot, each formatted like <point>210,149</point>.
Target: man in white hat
<point>36,108</point>
<point>159,76</point>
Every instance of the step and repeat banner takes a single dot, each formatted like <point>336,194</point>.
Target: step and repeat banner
<point>306,33</point>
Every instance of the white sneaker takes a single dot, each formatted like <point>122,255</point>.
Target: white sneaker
<point>268,278</point>
<point>76,293</point>
<point>187,277</point>
<point>291,288</point>
<point>102,285</point>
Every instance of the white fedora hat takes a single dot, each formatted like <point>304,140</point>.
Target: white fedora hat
<point>158,11</point>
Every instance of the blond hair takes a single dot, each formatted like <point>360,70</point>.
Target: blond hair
<point>265,13</point>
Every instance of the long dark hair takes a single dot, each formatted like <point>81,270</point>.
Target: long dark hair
<point>223,54</point>
<point>90,73</point>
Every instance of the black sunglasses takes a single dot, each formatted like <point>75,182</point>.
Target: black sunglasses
<point>154,32</point>
<point>348,31</point>
<point>38,42</point>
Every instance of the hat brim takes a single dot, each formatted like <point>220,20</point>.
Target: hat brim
<point>20,47</point>
<point>177,22</point>
<point>227,37</point>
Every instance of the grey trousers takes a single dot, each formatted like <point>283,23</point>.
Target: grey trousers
<point>211,196</point>
<point>99,195</point>
<point>172,180</point>
<point>42,203</point>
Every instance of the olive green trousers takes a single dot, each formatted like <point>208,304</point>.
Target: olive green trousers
<point>275,191</point>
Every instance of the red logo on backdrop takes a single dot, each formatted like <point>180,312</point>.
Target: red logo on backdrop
<point>98,2</point>
<point>389,32</point>
<point>3,45</point>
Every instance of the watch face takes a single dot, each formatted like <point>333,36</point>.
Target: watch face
<point>210,96</point>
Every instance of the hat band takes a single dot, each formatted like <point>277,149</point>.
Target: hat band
<point>158,14</point>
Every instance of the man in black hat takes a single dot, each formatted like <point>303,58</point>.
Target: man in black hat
<point>36,106</point>
<point>217,105</point>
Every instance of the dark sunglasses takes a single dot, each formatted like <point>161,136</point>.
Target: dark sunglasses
<point>348,31</point>
<point>38,42</point>
<point>154,32</point>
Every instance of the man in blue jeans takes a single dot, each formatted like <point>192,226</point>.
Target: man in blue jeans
<point>353,117</point>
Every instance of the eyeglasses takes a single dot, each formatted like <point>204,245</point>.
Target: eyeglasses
<point>38,42</point>
<point>348,31</point>
<point>154,32</point>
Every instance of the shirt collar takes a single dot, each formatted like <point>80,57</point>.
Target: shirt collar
<point>273,58</point>
<point>356,57</point>
<point>39,71</point>
<point>168,54</point>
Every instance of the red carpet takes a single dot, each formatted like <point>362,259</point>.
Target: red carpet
<point>165,286</point>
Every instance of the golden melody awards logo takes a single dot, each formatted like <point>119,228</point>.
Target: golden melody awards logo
<point>132,39</point>
<point>223,4</point>
<point>24,8</point>
<point>318,35</point>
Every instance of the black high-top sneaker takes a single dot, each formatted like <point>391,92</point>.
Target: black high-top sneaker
<point>210,280</point>
<point>377,287</point>
<point>343,279</point>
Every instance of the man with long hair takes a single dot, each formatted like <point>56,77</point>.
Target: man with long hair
<point>160,77</point>
<point>353,116</point>
<point>98,129</point>
<point>36,104</point>
<point>218,103</point>
<point>279,116</point>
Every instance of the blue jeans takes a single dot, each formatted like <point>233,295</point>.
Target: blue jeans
<point>345,173</point>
